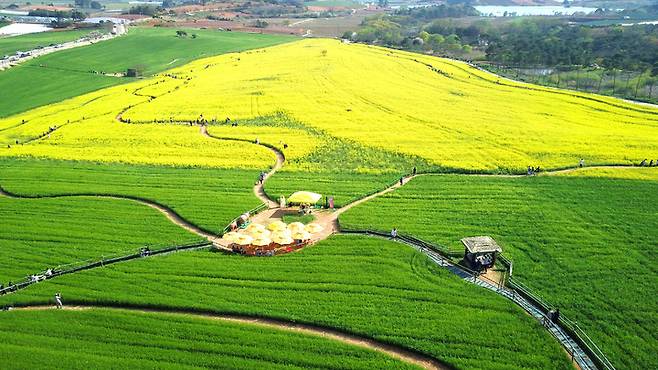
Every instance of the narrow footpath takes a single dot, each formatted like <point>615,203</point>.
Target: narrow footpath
<point>397,352</point>
<point>166,211</point>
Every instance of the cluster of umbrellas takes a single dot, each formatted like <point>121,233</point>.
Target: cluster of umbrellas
<point>276,232</point>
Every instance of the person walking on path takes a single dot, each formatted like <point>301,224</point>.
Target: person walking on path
<point>581,164</point>
<point>413,172</point>
<point>394,233</point>
<point>58,300</point>
<point>401,180</point>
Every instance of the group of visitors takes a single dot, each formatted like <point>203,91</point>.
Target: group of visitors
<point>33,278</point>
<point>533,170</point>
<point>258,252</point>
<point>484,260</point>
<point>144,252</point>
<point>305,209</point>
<point>650,164</point>
<point>261,177</point>
<point>11,287</point>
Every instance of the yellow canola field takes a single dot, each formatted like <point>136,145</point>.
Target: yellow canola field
<point>87,129</point>
<point>445,111</point>
<point>630,173</point>
<point>298,143</point>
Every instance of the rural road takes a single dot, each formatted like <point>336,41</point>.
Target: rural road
<point>35,53</point>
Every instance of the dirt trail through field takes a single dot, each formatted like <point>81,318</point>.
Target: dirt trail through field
<point>258,186</point>
<point>397,352</point>
<point>166,211</point>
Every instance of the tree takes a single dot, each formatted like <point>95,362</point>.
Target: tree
<point>180,33</point>
<point>96,5</point>
<point>83,3</point>
<point>78,15</point>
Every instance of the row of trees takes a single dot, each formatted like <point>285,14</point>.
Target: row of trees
<point>527,41</point>
<point>551,43</point>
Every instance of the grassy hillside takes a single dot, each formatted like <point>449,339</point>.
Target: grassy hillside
<point>367,286</point>
<point>68,73</point>
<point>436,113</point>
<point>10,45</point>
<point>122,339</point>
<point>581,242</point>
<point>446,112</point>
<point>38,234</point>
<point>209,198</point>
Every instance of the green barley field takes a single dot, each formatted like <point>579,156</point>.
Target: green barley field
<point>367,286</point>
<point>580,242</point>
<point>102,338</point>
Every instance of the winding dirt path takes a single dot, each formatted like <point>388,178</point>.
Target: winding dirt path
<point>166,211</point>
<point>258,186</point>
<point>397,352</point>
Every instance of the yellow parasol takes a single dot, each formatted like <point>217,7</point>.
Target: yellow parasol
<point>230,236</point>
<point>296,226</point>
<point>257,233</point>
<point>285,232</point>
<point>254,226</point>
<point>282,239</point>
<point>301,235</point>
<point>261,241</point>
<point>314,228</point>
<point>243,239</point>
<point>304,197</point>
<point>277,226</point>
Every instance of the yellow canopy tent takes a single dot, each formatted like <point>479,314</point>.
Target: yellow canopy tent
<point>253,227</point>
<point>243,239</point>
<point>301,235</point>
<point>261,241</point>
<point>306,197</point>
<point>258,233</point>
<point>277,226</point>
<point>230,236</point>
<point>282,239</point>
